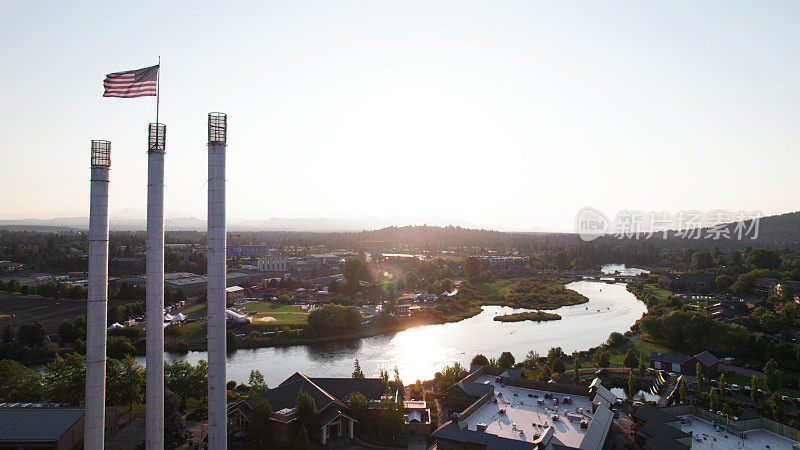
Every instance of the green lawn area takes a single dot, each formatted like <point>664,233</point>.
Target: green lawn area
<point>661,294</point>
<point>641,347</point>
<point>497,289</point>
<point>266,313</point>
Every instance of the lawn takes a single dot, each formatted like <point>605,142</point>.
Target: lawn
<point>659,293</point>
<point>641,347</point>
<point>266,313</point>
<point>497,289</point>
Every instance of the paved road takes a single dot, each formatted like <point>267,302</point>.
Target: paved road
<point>741,371</point>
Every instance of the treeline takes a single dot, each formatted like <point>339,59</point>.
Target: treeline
<point>48,289</point>
<point>333,319</point>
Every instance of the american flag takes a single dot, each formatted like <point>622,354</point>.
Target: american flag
<point>132,83</point>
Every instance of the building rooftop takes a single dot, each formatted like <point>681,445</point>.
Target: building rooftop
<point>36,424</point>
<point>528,414</point>
<point>705,436</point>
<point>668,357</point>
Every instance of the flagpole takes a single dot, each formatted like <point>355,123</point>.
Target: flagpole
<point>158,85</point>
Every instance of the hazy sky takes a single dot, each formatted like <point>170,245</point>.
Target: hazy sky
<point>502,114</point>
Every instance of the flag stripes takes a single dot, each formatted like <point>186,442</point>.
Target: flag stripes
<point>132,83</point>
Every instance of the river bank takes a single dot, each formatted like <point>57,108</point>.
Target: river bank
<point>420,351</point>
<point>533,292</point>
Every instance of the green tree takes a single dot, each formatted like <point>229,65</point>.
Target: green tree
<point>358,406</point>
<point>631,360</point>
<point>178,379</point>
<point>724,282</point>
<point>702,260</point>
<point>333,319</point>
<point>723,387</point>
<point>397,379</point>
<point>256,382</point>
<point>576,372</point>
<point>631,384</point>
<point>480,360</point>
<point>384,376</point>
<point>65,378</point>
<point>682,390</point>
<point>506,360</point>
<point>19,383</point>
<point>306,411</point>
<point>31,334</point>
<point>450,375</point>
<point>558,366</point>
<point>700,379</point>
<point>173,426</point>
<point>754,390</point>
<point>714,400</point>
<point>774,407</point>
<point>603,359</point>
<point>66,332</point>
<point>391,419</point>
<point>642,365</point>
<point>615,339</point>
<point>771,376</point>
<point>357,372</point>
<point>356,270</point>
<point>260,421</point>
<point>134,376</point>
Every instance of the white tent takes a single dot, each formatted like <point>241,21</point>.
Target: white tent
<point>235,317</point>
<point>178,317</point>
<point>115,325</point>
<point>167,318</point>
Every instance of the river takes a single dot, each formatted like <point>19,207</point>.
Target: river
<point>421,351</point>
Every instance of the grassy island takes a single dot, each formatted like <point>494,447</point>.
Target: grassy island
<point>536,292</point>
<point>538,316</point>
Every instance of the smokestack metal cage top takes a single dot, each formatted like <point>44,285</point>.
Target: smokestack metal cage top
<point>217,127</point>
<point>101,153</point>
<point>157,134</point>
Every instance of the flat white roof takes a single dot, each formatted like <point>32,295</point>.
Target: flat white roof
<point>525,418</point>
<point>704,436</point>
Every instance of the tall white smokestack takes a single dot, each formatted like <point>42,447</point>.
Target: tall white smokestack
<point>97,299</point>
<point>217,419</point>
<point>154,409</point>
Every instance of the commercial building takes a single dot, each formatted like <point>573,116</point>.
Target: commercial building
<point>309,266</point>
<point>248,250</point>
<point>514,413</point>
<point>687,426</point>
<point>190,283</point>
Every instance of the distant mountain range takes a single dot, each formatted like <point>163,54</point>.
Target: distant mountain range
<point>272,224</point>
<point>773,231</point>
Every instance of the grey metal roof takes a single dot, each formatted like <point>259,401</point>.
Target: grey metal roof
<point>668,357</point>
<point>475,389</point>
<point>451,431</point>
<point>707,358</point>
<point>512,373</point>
<point>36,424</point>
